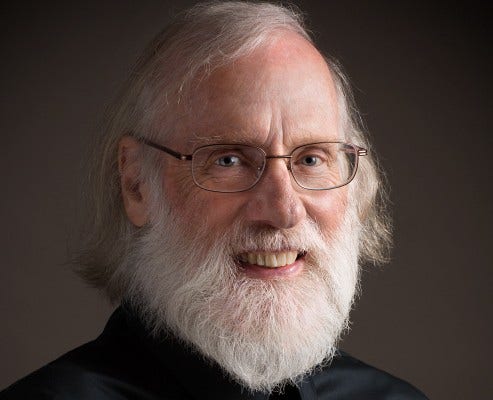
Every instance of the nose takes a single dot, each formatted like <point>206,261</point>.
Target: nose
<point>275,200</point>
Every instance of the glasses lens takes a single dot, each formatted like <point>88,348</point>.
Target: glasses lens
<point>227,168</point>
<point>322,166</point>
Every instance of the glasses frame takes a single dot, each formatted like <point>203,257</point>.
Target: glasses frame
<point>358,151</point>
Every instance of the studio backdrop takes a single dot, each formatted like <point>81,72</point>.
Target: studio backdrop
<point>421,74</point>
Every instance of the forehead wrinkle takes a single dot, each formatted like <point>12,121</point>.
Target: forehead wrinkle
<point>302,134</point>
<point>234,136</point>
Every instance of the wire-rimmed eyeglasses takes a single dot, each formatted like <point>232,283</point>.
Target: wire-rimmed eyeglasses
<point>230,168</point>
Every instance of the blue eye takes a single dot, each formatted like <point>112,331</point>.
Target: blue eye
<point>310,161</point>
<point>228,161</point>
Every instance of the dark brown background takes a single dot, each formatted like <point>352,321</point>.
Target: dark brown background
<point>422,79</point>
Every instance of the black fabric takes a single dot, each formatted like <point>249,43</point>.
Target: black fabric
<point>124,362</point>
<point>289,392</point>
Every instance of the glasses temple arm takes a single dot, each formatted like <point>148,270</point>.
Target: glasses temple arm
<point>165,149</point>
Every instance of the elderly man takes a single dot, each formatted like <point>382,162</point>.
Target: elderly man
<point>233,200</point>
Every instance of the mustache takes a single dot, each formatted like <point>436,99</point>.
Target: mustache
<point>302,238</point>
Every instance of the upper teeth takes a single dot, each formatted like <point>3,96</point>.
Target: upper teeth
<point>271,260</point>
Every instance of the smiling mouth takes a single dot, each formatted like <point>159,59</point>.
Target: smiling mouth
<point>270,259</point>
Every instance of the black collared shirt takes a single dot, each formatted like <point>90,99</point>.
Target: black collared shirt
<point>124,362</point>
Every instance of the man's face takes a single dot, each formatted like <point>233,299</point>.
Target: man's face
<point>195,270</point>
<point>278,98</point>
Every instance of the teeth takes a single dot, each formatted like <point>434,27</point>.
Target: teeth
<point>251,258</point>
<point>281,259</point>
<point>271,260</point>
<point>260,259</point>
<point>291,257</point>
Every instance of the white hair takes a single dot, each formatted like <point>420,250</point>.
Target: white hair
<point>199,40</point>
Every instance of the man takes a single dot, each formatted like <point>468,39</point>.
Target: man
<point>233,200</point>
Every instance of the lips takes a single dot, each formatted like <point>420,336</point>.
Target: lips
<point>269,259</point>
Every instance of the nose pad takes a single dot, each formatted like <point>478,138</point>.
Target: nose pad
<point>288,167</point>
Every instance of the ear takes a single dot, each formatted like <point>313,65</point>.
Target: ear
<point>135,193</point>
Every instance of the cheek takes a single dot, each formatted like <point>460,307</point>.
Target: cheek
<point>180,193</point>
<point>198,207</point>
<point>328,209</point>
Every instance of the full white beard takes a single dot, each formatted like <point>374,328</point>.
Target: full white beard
<point>263,333</point>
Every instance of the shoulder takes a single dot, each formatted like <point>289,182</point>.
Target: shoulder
<point>120,364</point>
<point>349,378</point>
<point>92,371</point>
<point>62,379</point>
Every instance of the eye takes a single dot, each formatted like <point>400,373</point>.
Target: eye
<point>228,161</point>
<point>310,160</point>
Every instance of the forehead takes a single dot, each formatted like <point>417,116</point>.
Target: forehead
<point>281,92</point>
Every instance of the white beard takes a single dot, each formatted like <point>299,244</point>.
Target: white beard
<point>263,333</point>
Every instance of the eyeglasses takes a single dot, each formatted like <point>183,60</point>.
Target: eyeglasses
<point>230,168</point>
